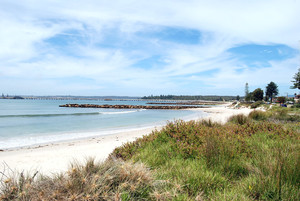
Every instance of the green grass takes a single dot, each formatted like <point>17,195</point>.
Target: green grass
<point>258,115</point>
<point>249,158</point>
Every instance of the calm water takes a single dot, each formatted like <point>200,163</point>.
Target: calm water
<point>30,122</point>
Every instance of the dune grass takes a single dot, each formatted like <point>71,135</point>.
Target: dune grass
<point>246,159</point>
<point>249,158</point>
<point>111,180</point>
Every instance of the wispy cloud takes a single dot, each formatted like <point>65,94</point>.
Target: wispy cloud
<point>147,47</point>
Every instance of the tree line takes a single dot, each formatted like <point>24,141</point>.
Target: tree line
<point>186,97</point>
<point>256,95</point>
<point>271,90</point>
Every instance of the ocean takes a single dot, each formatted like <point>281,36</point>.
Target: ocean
<point>33,122</point>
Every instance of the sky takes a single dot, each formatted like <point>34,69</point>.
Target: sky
<point>142,47</point>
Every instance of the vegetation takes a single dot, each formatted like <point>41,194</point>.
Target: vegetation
<point>246,89</point>
<point>271,91</point>
<point>296,105</point>
<point>183,97</point>
<point>249,158</point>
<point>111,180</point>
<point>247,94</point>
<point>281,99</point>
<point>258,94</point>
<point>296,80</point>
<point>256,104</point>
<point>249,97</point>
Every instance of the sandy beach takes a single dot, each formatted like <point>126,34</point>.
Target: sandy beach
<point>55,158</point>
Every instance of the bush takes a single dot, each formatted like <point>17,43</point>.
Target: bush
<point>239,119</point>
<point>258,115</point>
<point>256,104</point>
<point>281,99</point>
<point>297,105</point>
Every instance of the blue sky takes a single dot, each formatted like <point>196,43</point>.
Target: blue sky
<point>139,48</point>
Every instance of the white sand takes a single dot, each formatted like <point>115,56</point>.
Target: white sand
<point>55,158</point>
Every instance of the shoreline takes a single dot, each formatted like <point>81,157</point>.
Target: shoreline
<point>90,135</point>
<point>56,157</point>
<point>56,138</point>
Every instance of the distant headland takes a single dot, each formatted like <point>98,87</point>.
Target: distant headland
<point>10,97</point>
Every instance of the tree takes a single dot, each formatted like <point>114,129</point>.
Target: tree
<point>238,98</point>
<point>258,94</point>
<point>271,90</point>
<point>248,96</point>
<point>281,99</point>
<point>246,89</point>
<point>296,81</point>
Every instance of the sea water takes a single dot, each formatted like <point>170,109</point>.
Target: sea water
<point>32,122</point>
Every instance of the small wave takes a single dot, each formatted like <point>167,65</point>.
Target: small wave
<point>66,114</point>
<point>49,115</point>
<point>123,112</point>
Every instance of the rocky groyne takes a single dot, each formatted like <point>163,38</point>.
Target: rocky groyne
<point>156,107</point>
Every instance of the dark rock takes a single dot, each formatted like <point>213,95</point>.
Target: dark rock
<point>165,107</point>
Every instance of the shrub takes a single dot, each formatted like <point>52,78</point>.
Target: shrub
<point>297,105</point>
<point>281,99</point>
<point>256,104</point>
<point>209,123</point>
<point>258,115</point>
<point>239,119</point>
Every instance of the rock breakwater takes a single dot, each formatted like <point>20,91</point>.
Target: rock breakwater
<point>164,107</point>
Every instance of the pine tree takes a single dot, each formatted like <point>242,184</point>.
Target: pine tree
<point>246,89</point>
<point>271,90</point>
<point>296,81</point>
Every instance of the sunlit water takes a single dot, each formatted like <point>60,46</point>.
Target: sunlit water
<point>31,122</point>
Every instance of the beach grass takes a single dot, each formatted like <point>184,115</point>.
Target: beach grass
<point>249,158</point>
<point>110,180</point>
<point>253,157</point>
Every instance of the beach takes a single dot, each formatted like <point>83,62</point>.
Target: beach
<point>56,157</point>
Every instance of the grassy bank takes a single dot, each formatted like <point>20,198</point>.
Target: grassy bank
<point>249,158</point>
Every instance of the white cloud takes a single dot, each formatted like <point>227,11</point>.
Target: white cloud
<point>24,55</point>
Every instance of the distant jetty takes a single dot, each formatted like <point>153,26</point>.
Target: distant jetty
<point>156,107</point>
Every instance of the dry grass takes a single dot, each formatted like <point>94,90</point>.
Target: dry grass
<point>111,180</point>
<point>239,119</point>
